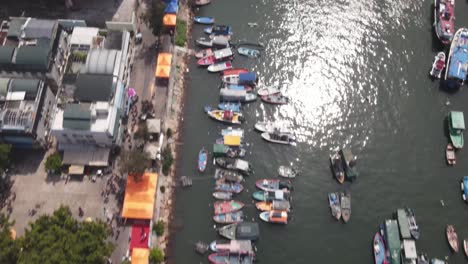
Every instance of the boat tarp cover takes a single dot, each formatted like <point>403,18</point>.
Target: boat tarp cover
<point>458,67</point>
<point>171,8</point>
<point>403,223</point>
<point>247,77</point>
<point>393,240</point>
<point>279,195</point>
<point>230,140</point>
<point>219,149</point>
<point>248,231</point>
<point>409,246</point>
<point>457,119</point>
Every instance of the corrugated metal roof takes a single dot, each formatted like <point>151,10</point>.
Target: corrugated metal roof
<point>14,31</point>
<point>6,54</point>
<point>94,87</point>
<point>39,28</point>
<point>100,61</point>
<point>34,57</point>
<point>4,87</point>
<point>77,116</point>
<point>30,86</point>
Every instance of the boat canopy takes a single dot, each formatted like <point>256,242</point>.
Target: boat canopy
<point>457,119</point>
<point>242,165</point>
<point>246,230</point>
<point>171,8</point>
<point>281,205</point>
<point>458,67</point>
<point>219,150</point>
<point>279,195</point>
<point>230,140</point>
<point>247,77</point>
<point>403,224</point>
<point>409,248</point>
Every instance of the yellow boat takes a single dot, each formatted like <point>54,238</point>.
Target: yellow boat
<point>226,116</point>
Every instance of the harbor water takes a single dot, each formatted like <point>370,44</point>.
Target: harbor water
<point>357,76</point>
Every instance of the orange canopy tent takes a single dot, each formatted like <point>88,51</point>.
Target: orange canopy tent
<point>140,196</point>
<point>163,68</point>
<point>169,20</point>
<point>140,256</point>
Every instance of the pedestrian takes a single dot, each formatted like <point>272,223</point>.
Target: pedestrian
<point>80,212</point>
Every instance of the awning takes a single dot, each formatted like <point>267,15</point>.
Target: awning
<point>163,67</point>
<point>154,125</point>
<point>140,236</point>
<point>139,197</point>
<point>169,20</point>
<point>87,156</point>
<point>232,140</point>
<point>76,170</point>
<point>140,256</point>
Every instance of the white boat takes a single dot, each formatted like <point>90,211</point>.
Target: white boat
<point>267,91</point>
<point>271,127</point>
<point>279,138</point>
<point>287,172</point>
<point>438,65</point>
<point>220,66</point>
<point>456,72</point>
<point>242,96</point>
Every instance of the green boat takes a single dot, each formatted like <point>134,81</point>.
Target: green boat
<point>403,224</point>
<point>393,241</point>
<point>456,123</point>
<point>221,150</point>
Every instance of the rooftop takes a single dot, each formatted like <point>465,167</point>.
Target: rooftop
<point>94,87</point>
<point>83,35</point>
<point>77,116</point>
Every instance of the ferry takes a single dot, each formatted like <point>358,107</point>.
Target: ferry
<point>457,65</point>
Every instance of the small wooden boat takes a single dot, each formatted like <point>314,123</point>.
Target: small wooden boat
<point>274,217</point>
<point>438,65</point>
<point>464,188</point>
<point>217,30</point>
<point>337,167</point>
<point>220,66</point>
<point>456,127</point>
<point>444,20</point>
<point>273,205</point>
<point>251,53</point>
<point>465,247</point>
<point>414,228</point>
<point>346,206</point>
<point>222,195</point>
<point>226,257</point>
<point>235,164</point>
<point>450,154</point>
<point>334,202</point>
<point>225,116</point>
<point>201,2</point>
<point>246,88</point>
<point>279,138</point>
<point>271,185</point>
<point>378,247</point>
<point>277,98</point>
<point>202,160</point>
<point>235,71</point>
<point>204,53</point>
<point>206,61</point>
<point>279,195</point>
<point>268,91</point>
<point>228,218</point>
<point>228,176</point>
<point>230,106</point>
<point>272,127</point>
<point>229,187</point>
<point>232,246</point>
<point>287,172</point>
<point>227,207</point>
<point>204,20</point>
<point>452,237</point>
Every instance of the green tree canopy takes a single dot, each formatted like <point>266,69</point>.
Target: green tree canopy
<point>53,162</point>
<point>154,15</point>
<point>5,150</point>
<point>9,247</point>
<point>60,238</point>
<point>134,162</point>
<point>156,256</point>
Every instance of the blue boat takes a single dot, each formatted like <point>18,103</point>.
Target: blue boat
<point>378,247</point>
<point>464,188</point>
<point>217,30</point>
<point>204,20</point>
<point>229,187</point>
<point>235,107</point>
<point>202,159</point>
<point>252,53</point>
<point>457,66</point>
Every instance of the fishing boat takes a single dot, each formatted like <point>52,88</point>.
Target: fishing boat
<point>457,64</point>
<point>228,176</point>
<point>271,127</point>
<point>230,106</point>
<point>414,228</point>
<point>220,66</point>
<point>204,53</point>
<point>465,247</point>
<point>229,187</point>
<point>456,126</point>
<point>279,138</point>
<point>277,98</point>
<point>202,160</point>
<point>378,247</point>
<point>225,116</point>
<point>240,231</point>
<point>217,56</point>
<point>221,150</point>
<point>206,61</point>
<point>403,224</point>
<point>218,41</point>
<point>222,195</point>
<point>235,71</point>
<point>438,65</point>
<point>251,53</point>
<point>268,91</point>
<point>287,172</point>
<point>238,87</point>
<point>201,2</point>
<point>274,217</point>
<point>227,207</point>
<point>232,246</point>
<point>393,241</point>
<point>273,205</point>
<point>349,162</point>
<point>222,30</point>
<point>248,78</point>
<point>279,195</point>
<point>229,218</point>
<point>204,20</point>
<point>230,140</point>
<point>452,237</point>
<point>337,167</point>
<point>271,185</point>
<point>226,257</point>
<point>334,202</point>
<point>450,154</point>
<point>444,20</point>
<point>235,164</point>
<point>345,206</point>
<point>230,131</point>
<point>242,96</point>
<point>464,188</point>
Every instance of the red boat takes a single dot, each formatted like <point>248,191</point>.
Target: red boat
<point>204,53</point>
<point>206,61</point>
<point>452,237</point>
<point>450,154</point>
<point>227,207</point>
<point>235,71</point>
<point>444,16</point>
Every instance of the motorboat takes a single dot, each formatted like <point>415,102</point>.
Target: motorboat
<point>220,66</point>
<point>456,126</point>
<point>222,150</point>
<point>271,185</point>
<point>335,207</point>
<point>229,218</point>
<point>227,207</point>
<point>217,56</point>
<point>240,231</point>
<point>272,127</point>
<point>287,172</point>
<point>217,30</point>
<point>228,176</point>
<point>206,61</point>
<point>204,20</point>
<point>222,195</point>
<point>235,71</point>
<point>274,217</point>
<point>229,95</point>
<point>239,165</point>
<point>337,167</point>
<point>246,78</point>
<point>345,206</point>
<point>230,106</point>
<point>450,154</point>
<point>251,53</point>
<point>234,258</point>
<point>438,65</point>
<point>279,195</point>
<point>464,188</point>
<point>268,91</point>
<point>217,41</point>
<point>226,116</point>
<point>413,226</point>
<point>279,138</point>
<point>349,164</point>
<point>229,187</point>
<point>202,160</point>
<point>204,53</point>
<point>444,20</point>
<point>378,248</point>
<point>230,131</point>
<point>452,237</point>
<point>277,98</point>
<point>457,64</point>
<point>273,205</point>
<point>232,246</point>
<point>465,247</point>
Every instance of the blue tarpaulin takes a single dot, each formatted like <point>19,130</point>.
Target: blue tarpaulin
<point>172,8</point>
<point>247,77</point>
<point>459,61</point>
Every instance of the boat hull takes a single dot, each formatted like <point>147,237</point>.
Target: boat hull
<point>202,160</point>
<point>452,238</point>
<point>227,207</point>
<point>228,218</point>
<point>379,249</point>
<point>222,195</point>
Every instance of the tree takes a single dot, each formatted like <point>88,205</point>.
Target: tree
<point>9,247</point>
<point>53,162</point>
<point>156,256</point>
<point>5,150</point>
<point>159,228</point>
<point>134,162</point>
<point>167,160</point>
<point>142,132</point>
<point>154,15</point>
<point>60,238</point>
